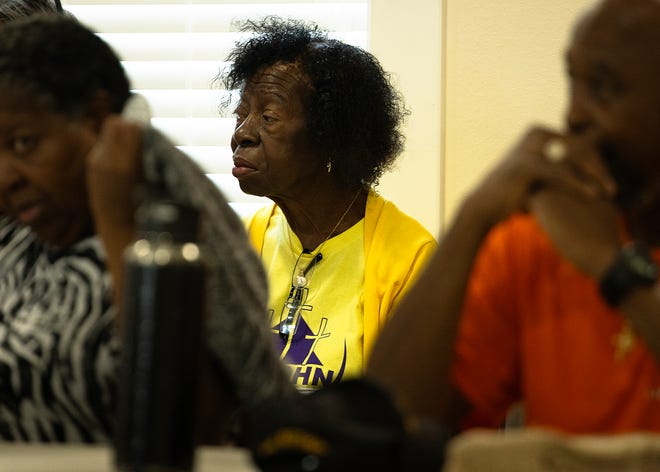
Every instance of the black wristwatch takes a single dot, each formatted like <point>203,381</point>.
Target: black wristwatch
<point>633,268</point>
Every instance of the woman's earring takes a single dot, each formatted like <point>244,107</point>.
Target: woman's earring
<point>329,166</point>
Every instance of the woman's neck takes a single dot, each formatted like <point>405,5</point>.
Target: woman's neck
<point>314,221</point>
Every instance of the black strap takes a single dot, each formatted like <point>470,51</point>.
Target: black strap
<point>58,6</point>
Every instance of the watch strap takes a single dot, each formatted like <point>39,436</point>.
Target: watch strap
<point>632,268</point>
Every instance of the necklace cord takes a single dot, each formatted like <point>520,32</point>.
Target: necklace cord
<point>294,301</point>
<point>348,208</point>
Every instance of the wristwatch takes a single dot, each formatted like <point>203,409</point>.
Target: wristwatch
<point>633,268</point>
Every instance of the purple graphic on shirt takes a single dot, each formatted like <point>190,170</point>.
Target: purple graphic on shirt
<point>301,350</point>
<point>298,352</point>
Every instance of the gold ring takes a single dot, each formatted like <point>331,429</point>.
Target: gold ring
<point>554,150</point>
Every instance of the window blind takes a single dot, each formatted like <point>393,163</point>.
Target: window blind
<point>172,50</point>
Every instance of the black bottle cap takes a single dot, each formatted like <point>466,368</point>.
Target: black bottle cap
<point>155,217</point>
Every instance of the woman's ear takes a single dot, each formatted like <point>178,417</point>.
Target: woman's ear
<point>99,108</point>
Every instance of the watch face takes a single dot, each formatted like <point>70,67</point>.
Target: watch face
<point>640,262</point>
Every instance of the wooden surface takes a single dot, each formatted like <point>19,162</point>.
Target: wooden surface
<point>77,458</point>
<point>543,451</point>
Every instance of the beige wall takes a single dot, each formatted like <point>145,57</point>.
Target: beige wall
<point>475,74</point>
<point>504,70</point>
<point>406,36</point>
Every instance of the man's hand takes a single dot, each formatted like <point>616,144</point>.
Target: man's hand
<point>583,225</point>
<point>526,169</point>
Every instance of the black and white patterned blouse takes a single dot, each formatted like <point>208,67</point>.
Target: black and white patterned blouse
<point>58,352</point>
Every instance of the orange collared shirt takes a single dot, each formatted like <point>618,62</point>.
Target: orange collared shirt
<point>535,329</point>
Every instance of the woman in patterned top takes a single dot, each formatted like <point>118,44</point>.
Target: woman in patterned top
<point>57,348</point>
<point>68,170</point>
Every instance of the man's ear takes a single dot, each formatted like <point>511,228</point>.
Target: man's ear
<point>99,108</point>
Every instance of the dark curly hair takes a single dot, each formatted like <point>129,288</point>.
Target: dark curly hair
<point>12,9</point>
<point>354,113</point>
<point>59,62</point>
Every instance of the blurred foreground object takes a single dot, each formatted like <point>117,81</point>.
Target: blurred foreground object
<point>164,306</point>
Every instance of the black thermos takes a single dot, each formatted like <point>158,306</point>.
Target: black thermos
<point>163,306</point>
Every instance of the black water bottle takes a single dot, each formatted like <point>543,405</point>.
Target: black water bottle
<point>163,306</point>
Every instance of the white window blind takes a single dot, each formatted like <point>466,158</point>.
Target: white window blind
<point>172,50</point>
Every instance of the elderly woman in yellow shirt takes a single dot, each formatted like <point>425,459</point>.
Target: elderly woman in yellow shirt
<point>317,124</point>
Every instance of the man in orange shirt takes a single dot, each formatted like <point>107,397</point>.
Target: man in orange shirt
<point>545,288</point>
